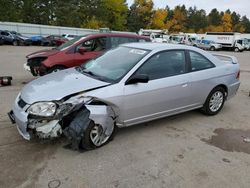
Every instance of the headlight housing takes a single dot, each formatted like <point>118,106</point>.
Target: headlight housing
<point>45,109</point>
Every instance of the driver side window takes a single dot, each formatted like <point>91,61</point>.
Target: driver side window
<point>164,64</point>
<point>96,44</point>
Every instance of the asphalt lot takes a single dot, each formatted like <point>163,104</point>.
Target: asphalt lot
<point>178,151</point>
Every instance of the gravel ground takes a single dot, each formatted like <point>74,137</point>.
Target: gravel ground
<point>187,150</point>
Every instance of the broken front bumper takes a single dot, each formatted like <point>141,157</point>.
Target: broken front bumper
<point>27,126</point>
<point>19,116</point>
<point>26,67</point>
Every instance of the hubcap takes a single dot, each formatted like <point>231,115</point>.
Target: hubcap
<point>97,135</point>
<point>216,101</point>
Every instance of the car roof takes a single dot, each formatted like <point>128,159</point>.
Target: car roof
<point>117,35</point>
<point>158,46</point>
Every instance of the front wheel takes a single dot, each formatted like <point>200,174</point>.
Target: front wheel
<point>94,136</point>
<point>236,49</point>
<point>214,102</point>
<point>15,43</point>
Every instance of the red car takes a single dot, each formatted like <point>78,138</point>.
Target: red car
<point>56,40</point>
<point>77,51</point>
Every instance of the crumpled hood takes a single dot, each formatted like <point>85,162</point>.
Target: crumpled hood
<point>58,85</point>
<point>43,53</point>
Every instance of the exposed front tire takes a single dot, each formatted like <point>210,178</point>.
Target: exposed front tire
<point>94,136</point>
<point>215,101</point>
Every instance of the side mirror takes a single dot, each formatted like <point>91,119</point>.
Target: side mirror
<point>139,78</point>
<point>82,50</point>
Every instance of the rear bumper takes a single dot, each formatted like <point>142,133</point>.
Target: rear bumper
<point>232,90</point>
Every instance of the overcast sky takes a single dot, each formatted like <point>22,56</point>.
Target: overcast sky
<point>242,7</point>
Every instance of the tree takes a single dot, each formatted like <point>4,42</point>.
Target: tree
<point>214,17</point>
<point>93,23</point>
<point>67,13</point>
<point>246,24</point>
<point>226,22</point>
<point>236,22</point>
<point>10,11</point>
<point>158,20</point>
<point>170,14</point>
<point>115,14</point>
<point>196,20</point>
<point>177,24</point>
<point>140,14</point>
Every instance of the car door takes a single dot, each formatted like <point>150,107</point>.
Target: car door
<point>201,79</point>
<point>9,37</point>
<point>166,92</point>
<point>94,47</point>
<point>5,35</point>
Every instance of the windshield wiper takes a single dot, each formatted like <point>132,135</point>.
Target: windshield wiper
<point>88,72</point>
<point>93,74</point>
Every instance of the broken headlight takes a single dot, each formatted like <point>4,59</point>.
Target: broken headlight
<point>72,103</point>
<point>45,109</point>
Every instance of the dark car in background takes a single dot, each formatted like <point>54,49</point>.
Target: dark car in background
<point>21,39</point>
<point>39,40</point>
<point>77,51</point>
<point>1,40</point>
<point>51,40</point>
<point>14,38</point>
<point>8,38</point>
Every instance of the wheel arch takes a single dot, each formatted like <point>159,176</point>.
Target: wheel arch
<point>222,86</point>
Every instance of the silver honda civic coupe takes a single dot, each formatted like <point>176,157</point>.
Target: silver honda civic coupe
<point>128,85</point>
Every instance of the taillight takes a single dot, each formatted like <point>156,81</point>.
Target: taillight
<point>238,75</point>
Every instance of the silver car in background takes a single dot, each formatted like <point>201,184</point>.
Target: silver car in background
<point>209,45</point>
<point>128,85</point>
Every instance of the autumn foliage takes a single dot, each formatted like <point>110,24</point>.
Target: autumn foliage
<point>117,15</point>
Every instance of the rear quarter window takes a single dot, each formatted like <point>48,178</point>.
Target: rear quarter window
<point>199,62</point>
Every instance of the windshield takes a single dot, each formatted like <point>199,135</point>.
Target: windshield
<point>245,41</point>
<point>114,64</point>
<point>69,43</point>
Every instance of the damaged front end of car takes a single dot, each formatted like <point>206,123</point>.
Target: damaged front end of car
<point>35,66</point>
<point>71,117</point>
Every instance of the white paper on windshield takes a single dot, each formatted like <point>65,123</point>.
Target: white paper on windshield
<point>137,51</point>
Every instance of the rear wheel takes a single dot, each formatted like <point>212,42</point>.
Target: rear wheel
<point>212,48</point>
<point>214,102</point>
